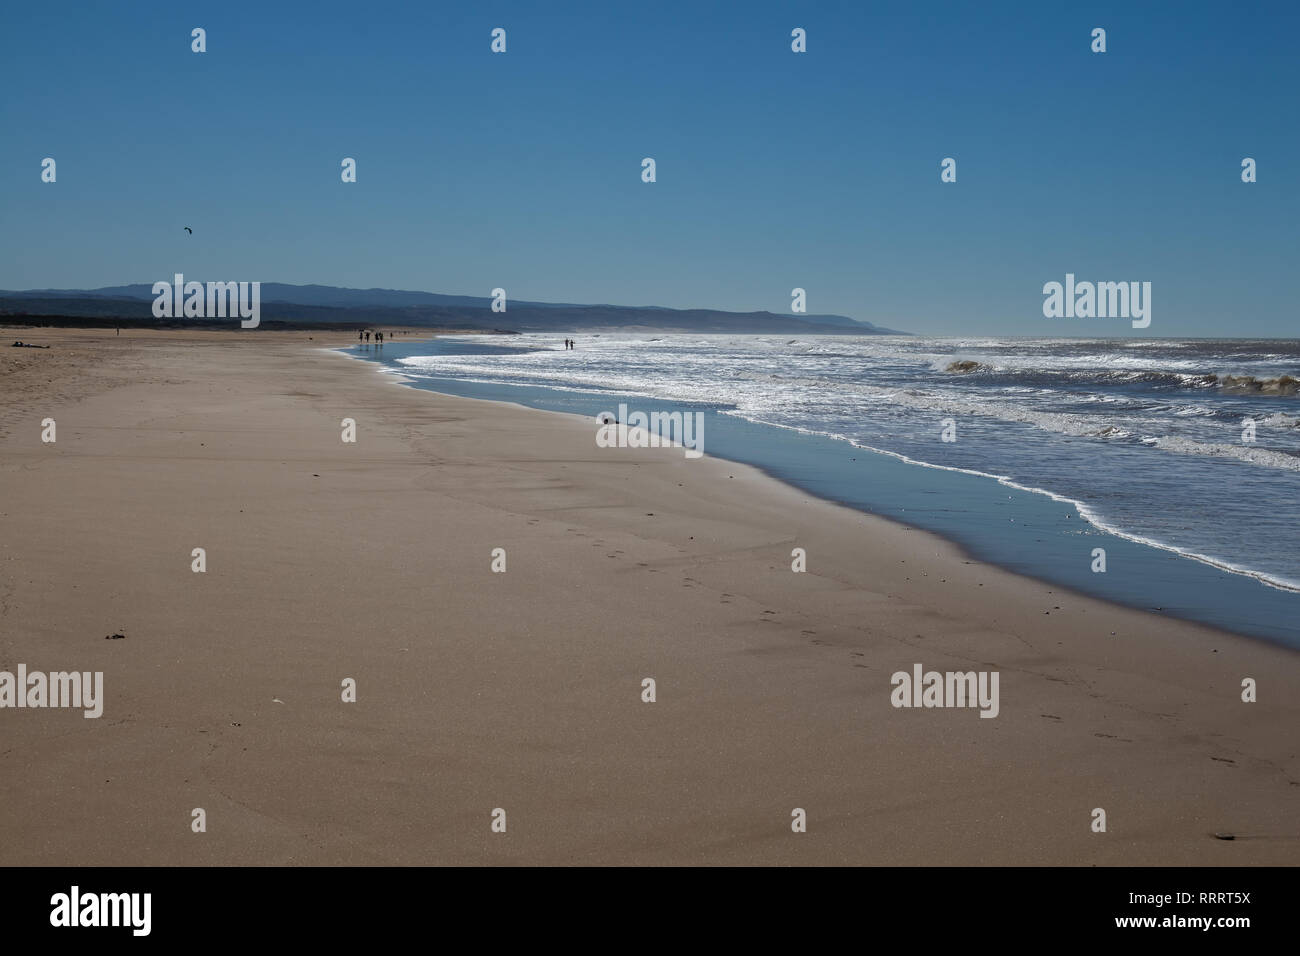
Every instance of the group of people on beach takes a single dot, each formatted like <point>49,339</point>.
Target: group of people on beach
<point>569,343</point>
<point>363,335</point>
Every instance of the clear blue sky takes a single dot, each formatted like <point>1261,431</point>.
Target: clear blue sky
<point>775,170</point>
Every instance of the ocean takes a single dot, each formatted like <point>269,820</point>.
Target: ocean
<point>1179,458</point>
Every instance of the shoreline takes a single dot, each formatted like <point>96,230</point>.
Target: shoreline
<point>522,690</point>
<point>398,378</point>
<point>1201,574</point>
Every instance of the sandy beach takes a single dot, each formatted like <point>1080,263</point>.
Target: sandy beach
<point>522,690</point>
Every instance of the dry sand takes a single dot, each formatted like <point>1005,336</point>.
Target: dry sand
<point>522,690</point>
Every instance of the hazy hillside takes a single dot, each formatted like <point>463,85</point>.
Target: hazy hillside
<point>319,304</point>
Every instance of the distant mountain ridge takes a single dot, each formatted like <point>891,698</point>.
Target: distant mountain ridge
<point>322,304</point>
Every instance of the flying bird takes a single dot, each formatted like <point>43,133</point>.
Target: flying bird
<point>189,230</point>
